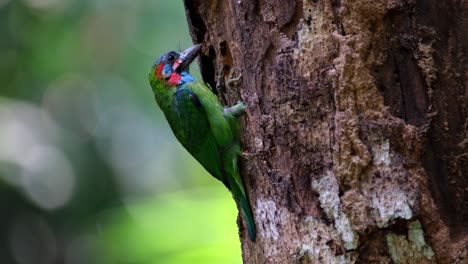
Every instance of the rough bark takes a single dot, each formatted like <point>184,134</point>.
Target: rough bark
<point>355,137</point>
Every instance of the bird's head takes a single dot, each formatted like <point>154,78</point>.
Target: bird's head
<point>172,68</point>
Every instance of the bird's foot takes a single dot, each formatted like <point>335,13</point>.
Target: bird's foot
<point>247,155</point>
<point>233,81</point>
<point>236,110</point>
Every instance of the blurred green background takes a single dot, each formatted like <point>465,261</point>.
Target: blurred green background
<point>89,169</point>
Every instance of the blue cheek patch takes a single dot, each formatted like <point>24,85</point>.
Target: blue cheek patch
<point>186,77</point>
<point>167,70</point>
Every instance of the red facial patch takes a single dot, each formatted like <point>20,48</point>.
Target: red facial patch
<point>158,71</point>
<point>175,79</point>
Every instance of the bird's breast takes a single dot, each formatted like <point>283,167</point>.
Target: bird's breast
<point>189,124</point>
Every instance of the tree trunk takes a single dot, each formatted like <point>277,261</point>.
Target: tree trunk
<point>355,137</point>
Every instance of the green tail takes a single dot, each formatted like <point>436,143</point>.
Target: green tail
<point>237,189</point>
<point>230,165</point>
<point>244,204</point>
<point>248,216</point>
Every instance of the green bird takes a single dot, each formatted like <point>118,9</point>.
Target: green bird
<point>208,131</point>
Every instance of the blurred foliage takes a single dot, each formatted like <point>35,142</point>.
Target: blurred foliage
<point>89,169</point>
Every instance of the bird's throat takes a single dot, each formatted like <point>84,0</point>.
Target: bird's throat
<point>174,79</point>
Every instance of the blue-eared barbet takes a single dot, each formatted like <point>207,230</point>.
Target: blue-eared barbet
<point>208,131</point>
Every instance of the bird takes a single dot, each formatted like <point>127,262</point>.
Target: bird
<point>207,130</point>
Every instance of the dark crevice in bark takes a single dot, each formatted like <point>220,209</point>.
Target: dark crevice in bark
<point>336,6</point>
<point>410,100</point>
<point>400,79</point>
<point>226,58</point>
<point>402,109</point>
<point>414,91</point>
<point>198,31</point>
<point>195,21</point>
<point>290,28</point>
<point>374,248</point>
<point>265,106</point>
<point>207,68</point>
<point>223,48</point>
<point>444,155</point>
<point>388,80</point>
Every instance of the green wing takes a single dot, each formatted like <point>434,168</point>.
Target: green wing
<point>212,136</point>
<point>189,121</point>
<point>225,129</point>
<point>220,127</point>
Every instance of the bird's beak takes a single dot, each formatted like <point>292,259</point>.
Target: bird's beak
<point>187,57</point>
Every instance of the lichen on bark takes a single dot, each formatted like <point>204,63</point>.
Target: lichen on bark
<point>340,144</point>
<point>410,247</point>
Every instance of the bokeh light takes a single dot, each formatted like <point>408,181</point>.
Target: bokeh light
<point>33,241</point>
<point>89,169</point>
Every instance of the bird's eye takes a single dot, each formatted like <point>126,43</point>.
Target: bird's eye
<point>171,58</point>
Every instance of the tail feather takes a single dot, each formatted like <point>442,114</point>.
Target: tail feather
<point>249,219</point>
<point>237,188</point>
<point>244,204</point>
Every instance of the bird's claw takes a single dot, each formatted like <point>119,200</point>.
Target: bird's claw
<point>236,110</point>
<point>233,81</point>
